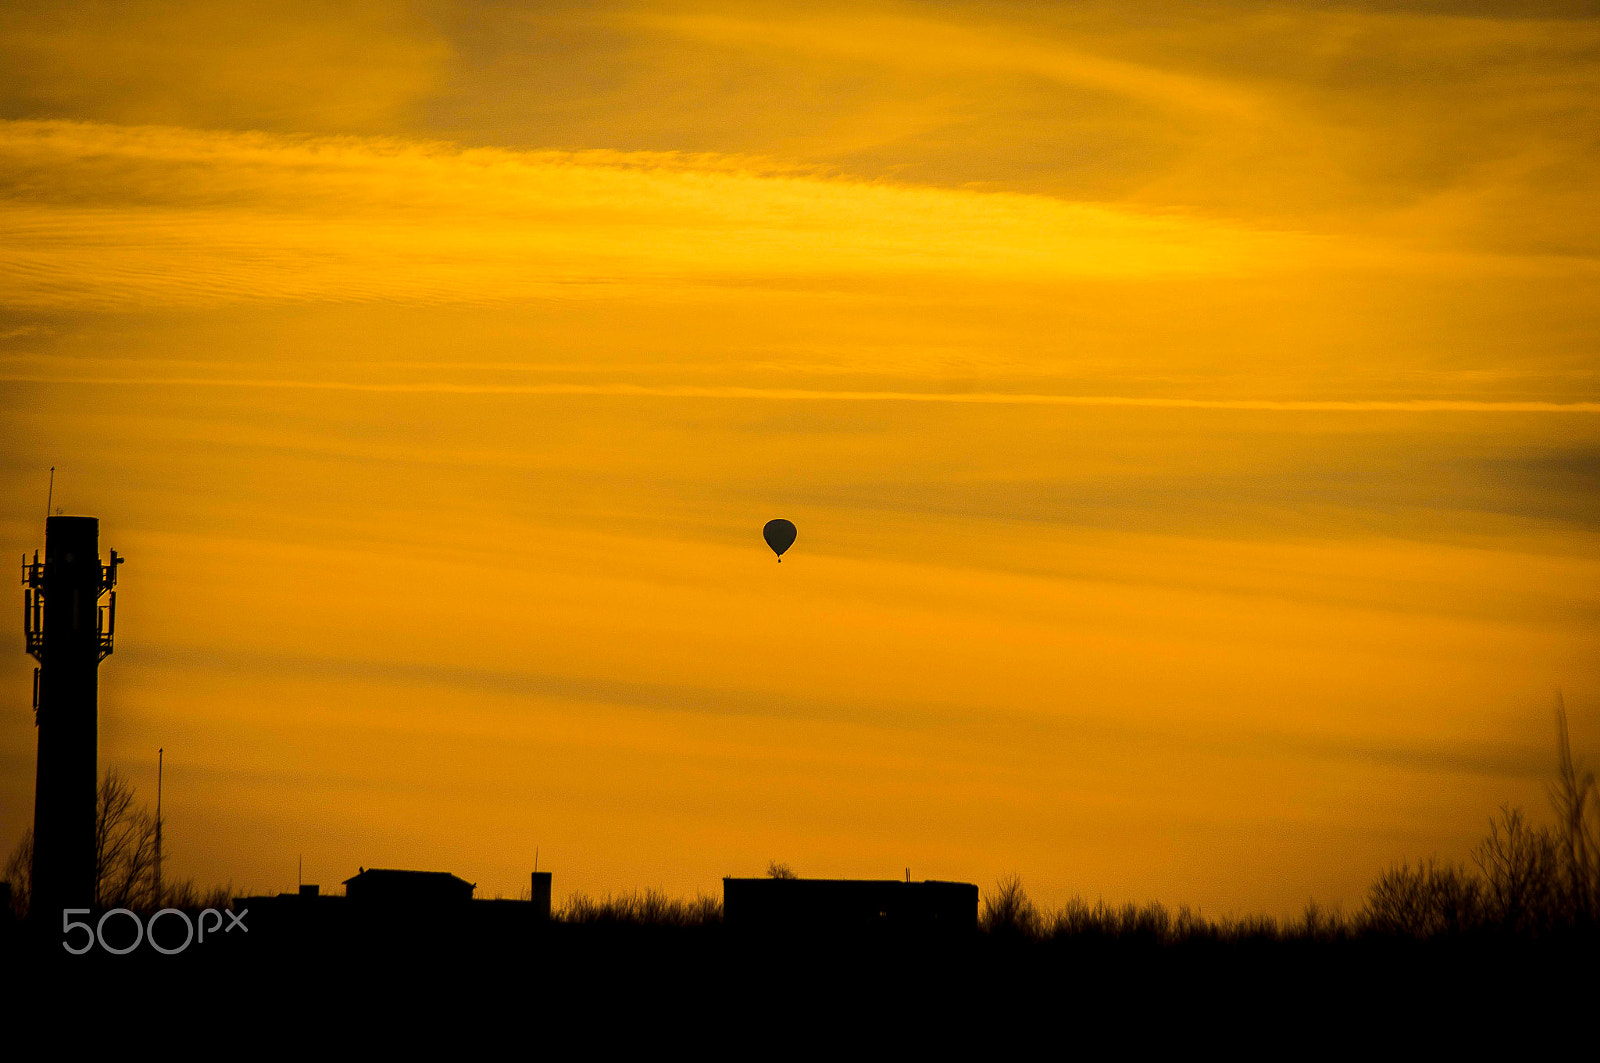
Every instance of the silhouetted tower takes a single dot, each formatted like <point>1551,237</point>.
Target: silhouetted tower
<point>69,631</point>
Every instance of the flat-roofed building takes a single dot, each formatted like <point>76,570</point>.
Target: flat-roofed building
<point>378,885</point>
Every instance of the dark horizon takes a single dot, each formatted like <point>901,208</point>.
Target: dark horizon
<point>1188,416</point>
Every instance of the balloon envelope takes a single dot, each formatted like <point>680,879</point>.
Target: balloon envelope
<point>779,535</point>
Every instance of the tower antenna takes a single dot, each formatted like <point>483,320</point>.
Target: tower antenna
<point>50,499</point>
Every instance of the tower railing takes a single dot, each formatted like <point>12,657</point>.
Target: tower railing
<point>34,578</point>
<point>33,606</point>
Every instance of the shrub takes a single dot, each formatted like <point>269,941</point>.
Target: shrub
<point>650,908</point>
<point>1008,913</point>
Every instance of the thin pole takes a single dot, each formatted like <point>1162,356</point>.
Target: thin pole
<point>161,757</point>
<point>50,499</point>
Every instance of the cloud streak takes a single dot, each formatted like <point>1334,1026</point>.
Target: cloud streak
<point>98,216</point>
<point>900,41</point>
<point>689,391</point>
<point>1454,756</point>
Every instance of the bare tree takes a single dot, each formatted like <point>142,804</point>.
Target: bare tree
<point>1008,912</point>
<point>124,851</point>
<point>1532,880</point>
<point>1521,868</point>
<point>1428,900</point>
<point>124,846</point>
<point>777,870</point>
<point>19,874</point>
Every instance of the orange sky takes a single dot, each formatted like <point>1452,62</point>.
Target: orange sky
<point>1189,413</point>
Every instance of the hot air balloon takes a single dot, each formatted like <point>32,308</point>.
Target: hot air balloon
<point>779,535</point>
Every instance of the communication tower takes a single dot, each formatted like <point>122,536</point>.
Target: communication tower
<point>68,629</point>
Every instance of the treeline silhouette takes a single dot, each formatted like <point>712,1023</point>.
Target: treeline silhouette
<point>649,908</point>
<point>1525,882</point>
<point>1434,946</point>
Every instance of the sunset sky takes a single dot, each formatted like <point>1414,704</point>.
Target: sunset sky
<point>1190,413</point>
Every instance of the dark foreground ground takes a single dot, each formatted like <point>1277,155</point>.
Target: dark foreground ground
<point>761,995</point>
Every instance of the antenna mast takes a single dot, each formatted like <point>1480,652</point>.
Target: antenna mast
<point>161,755</point>
<point>50,499</point>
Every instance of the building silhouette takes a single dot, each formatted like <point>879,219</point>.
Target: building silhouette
<point>389,908</point>
<point>412,888</point>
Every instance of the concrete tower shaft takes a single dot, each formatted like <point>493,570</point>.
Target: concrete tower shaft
<point>69,631</point>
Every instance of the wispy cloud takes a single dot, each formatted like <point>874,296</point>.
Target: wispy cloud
<point>288,64</point>
<point>899,39</point>
<point>100,216</point>
<point>1452,756</point>
<point>690,391</point>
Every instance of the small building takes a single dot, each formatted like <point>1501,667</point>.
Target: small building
<point>848,905</point>
<point>386,886</point>
<point>384,908</point>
